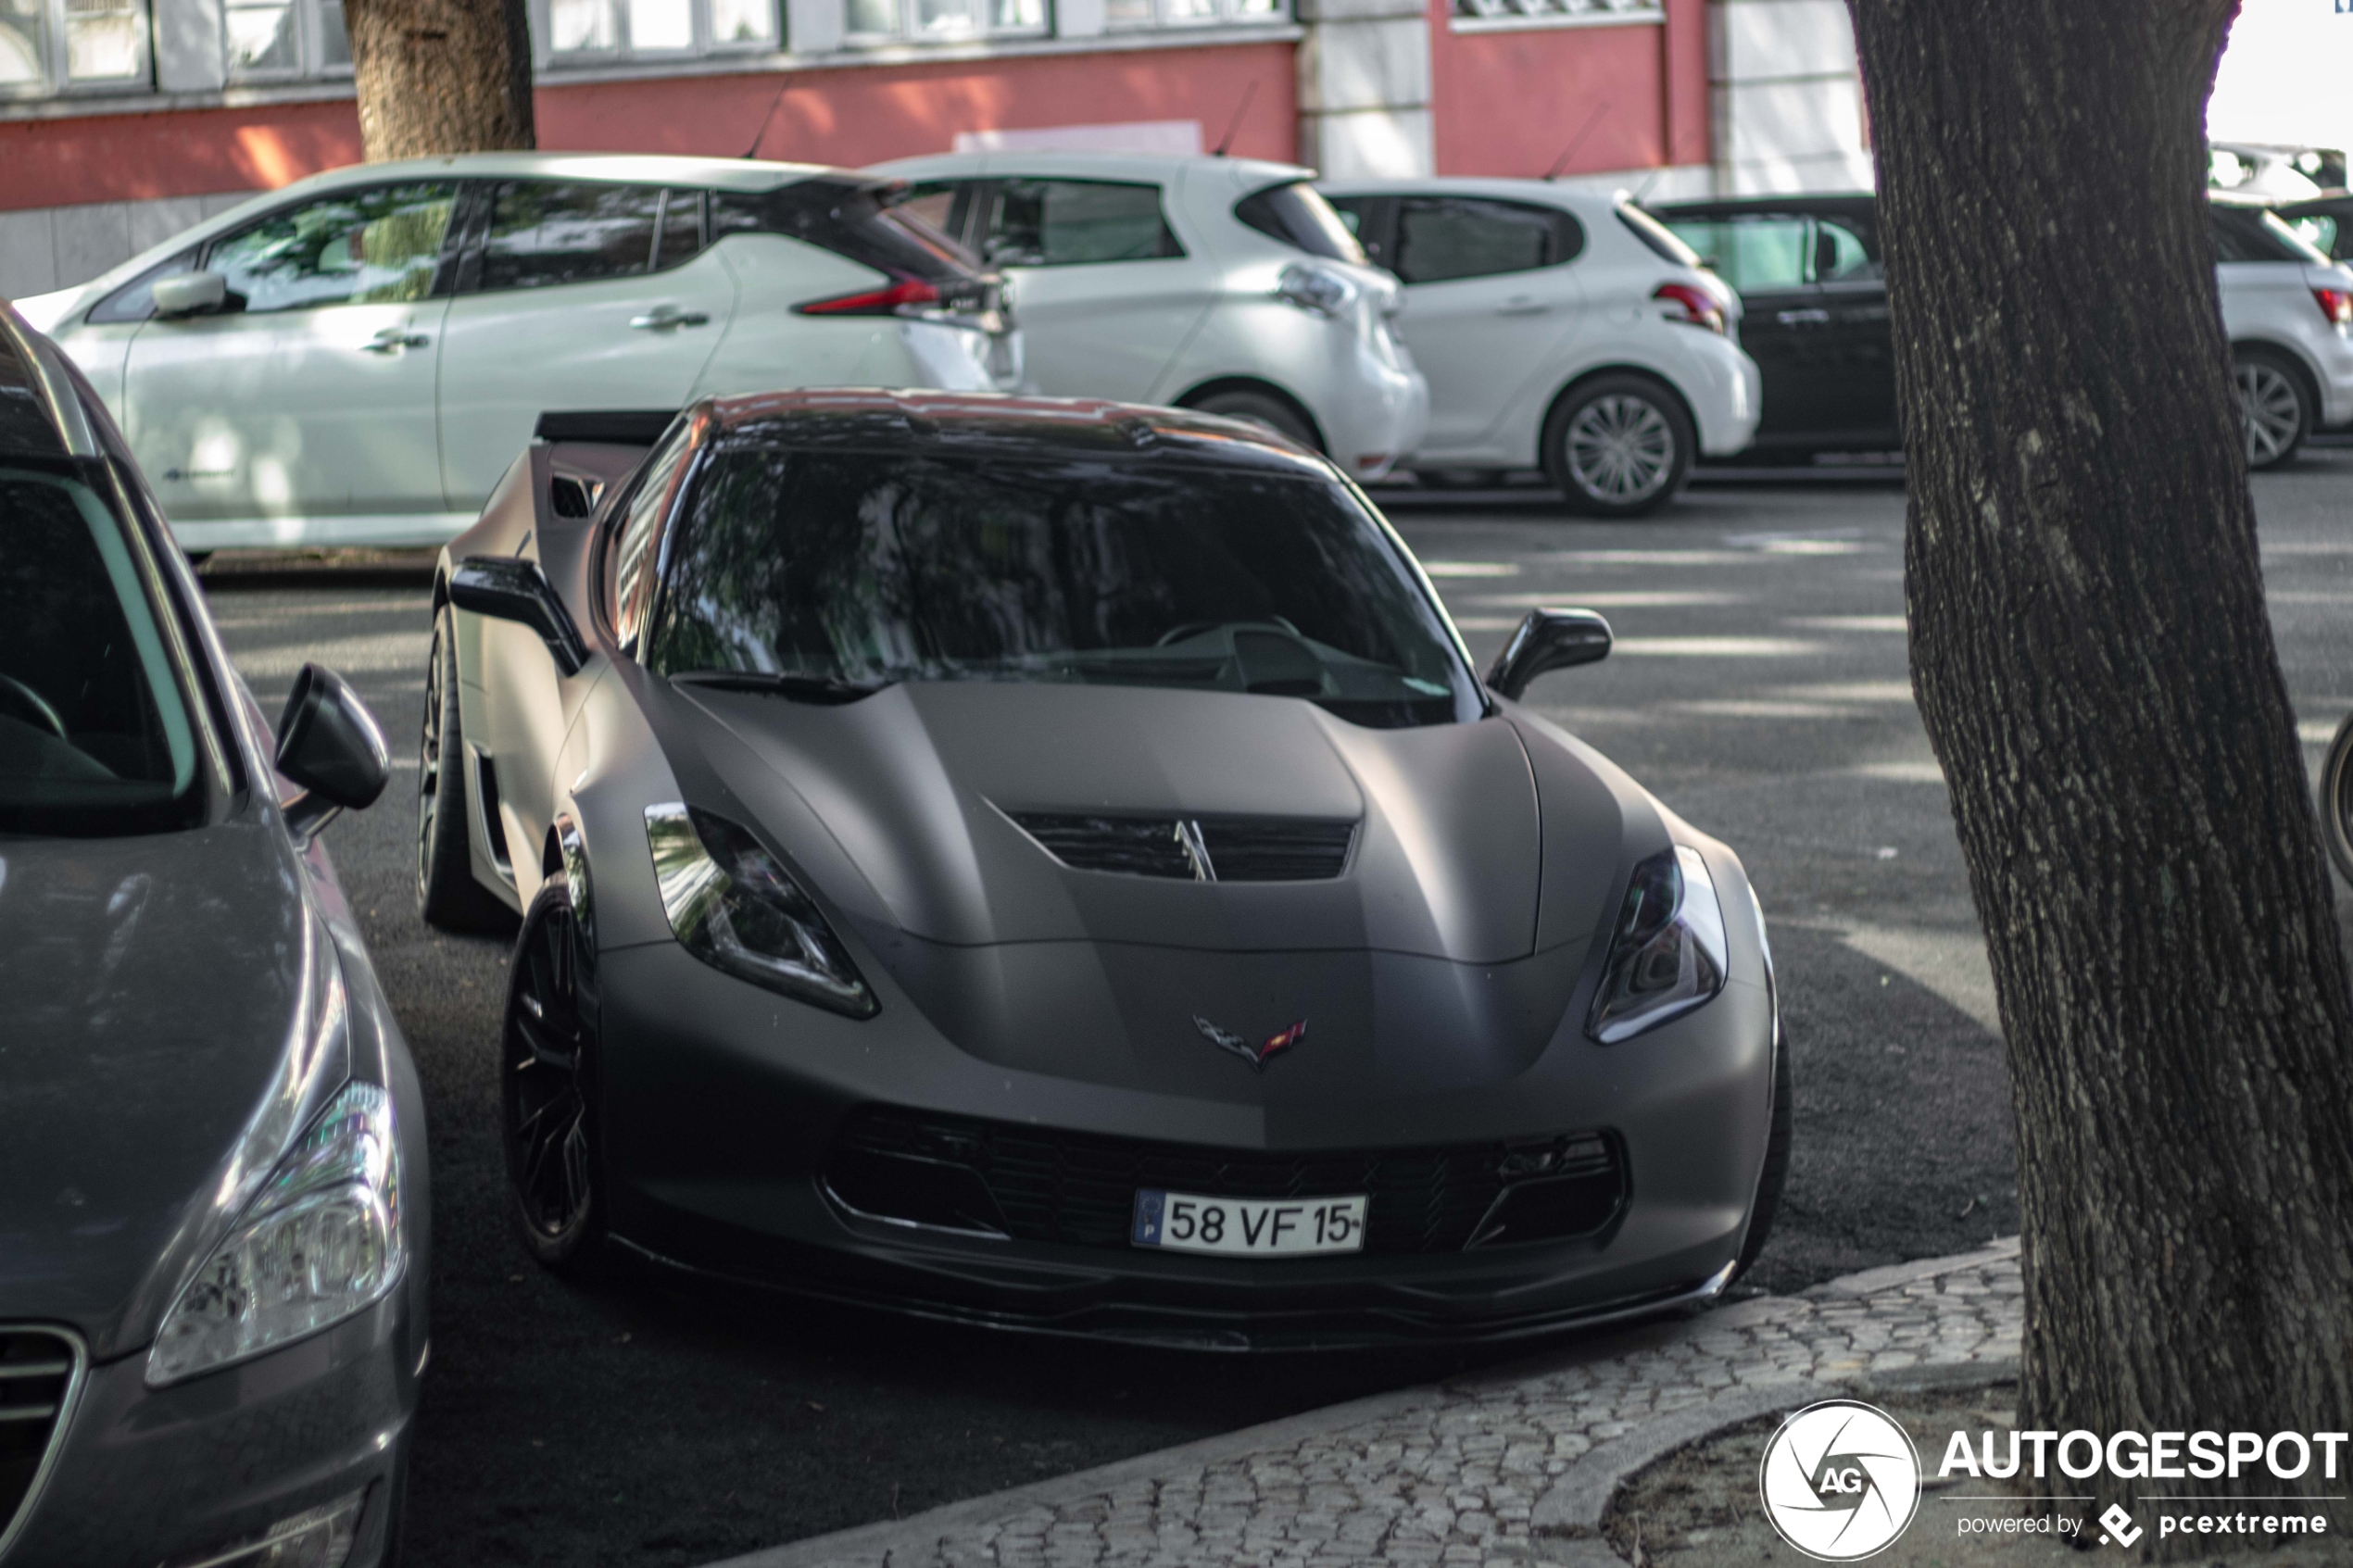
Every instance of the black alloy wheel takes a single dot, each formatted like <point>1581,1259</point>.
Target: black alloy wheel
<point>1773,1179</point>
<point>546,1069</point>
<point>448,895</point>
<point>2336,800</point>
<point>1620,445</point>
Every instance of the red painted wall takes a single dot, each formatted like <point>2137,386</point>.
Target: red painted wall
<point>1509,103</point>
<point>855,115</point>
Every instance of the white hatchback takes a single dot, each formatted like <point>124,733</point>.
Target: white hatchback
<point>355,359</point>
<point>1222,284</point>
<point>1560,331</point>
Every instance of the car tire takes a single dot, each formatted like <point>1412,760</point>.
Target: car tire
<point>2275,407</point>
<point>548,1088</point>
<point>2336,800</point>
<point>1262,409</point>
<point>448,895</point>
<point>1774,1177</point>
<point>1619,446</point>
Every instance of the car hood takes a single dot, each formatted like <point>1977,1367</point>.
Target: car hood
<point>162,995</point>
<point>904,807</point>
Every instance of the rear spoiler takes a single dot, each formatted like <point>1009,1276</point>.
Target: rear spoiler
<point>612,427</point>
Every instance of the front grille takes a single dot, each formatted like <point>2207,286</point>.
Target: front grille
<point>1079,1188</point>
<point>38,1368</point>
<point>1195,849</point>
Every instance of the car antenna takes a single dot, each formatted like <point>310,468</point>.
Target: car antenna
<point>773,105</point>
<point>1635,197</point>
<point>1233,127</point>
<point>1574,142</point>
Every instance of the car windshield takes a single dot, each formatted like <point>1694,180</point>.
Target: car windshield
<point>97,733</point>
<point>854,569</point>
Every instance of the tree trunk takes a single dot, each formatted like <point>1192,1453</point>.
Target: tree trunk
<point>441,76</point>
<point>2093,662</point>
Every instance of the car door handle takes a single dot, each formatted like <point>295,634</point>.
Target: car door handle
<point>392,340</point>
<point>664,318</point>
<point>1522,305</point>
<point>1803,318</point>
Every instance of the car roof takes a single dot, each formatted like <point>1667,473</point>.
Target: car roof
<point>41,409</point>
<point>1003,426</point>
<point>1099,165</point>
<point>1548,191</point>
<point>724,173</point>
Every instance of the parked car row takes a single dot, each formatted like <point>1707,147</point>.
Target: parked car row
<point>1810,270</point>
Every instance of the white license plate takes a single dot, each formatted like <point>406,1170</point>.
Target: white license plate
<point>1250,1227</point>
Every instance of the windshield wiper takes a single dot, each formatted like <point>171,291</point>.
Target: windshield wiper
<point>793,686</point>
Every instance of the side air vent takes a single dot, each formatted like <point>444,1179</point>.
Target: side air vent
<point>39,1370</point>
<point>1194,849</point>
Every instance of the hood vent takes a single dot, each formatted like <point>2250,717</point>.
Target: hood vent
<point>1194,849</point>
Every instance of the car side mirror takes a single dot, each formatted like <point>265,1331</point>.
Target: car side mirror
<point>505,588</point>
<point>189,294</point>
<point>329,744</point>
<point>1548,639</point>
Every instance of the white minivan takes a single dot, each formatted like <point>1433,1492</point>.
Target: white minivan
<point>357,359</point>
<point>1222,284</point>
<point>1560,331</point>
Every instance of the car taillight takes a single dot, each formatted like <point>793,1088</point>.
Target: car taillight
<point>2336,305</point>
<point>1698,306</point>
<point>872,302</point>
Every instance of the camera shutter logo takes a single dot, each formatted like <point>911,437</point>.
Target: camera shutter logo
<point>1841,1480</point>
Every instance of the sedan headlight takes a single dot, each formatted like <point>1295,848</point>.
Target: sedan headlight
<point>1313,288</point>
<point>1667,955</point>
<point>737,909</point>
<point>322,1240</point>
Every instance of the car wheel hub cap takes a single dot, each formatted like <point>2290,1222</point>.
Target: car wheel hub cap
<point>1621,448</point>
<point>2272,414</point>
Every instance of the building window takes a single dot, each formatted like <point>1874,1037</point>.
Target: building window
<point>49,45</point>
<point>1591,10</point>
<point>1124,14</point>
<point>586,29</point>
<point>942,22</point>
<point>285,40</point>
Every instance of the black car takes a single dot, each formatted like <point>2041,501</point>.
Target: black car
<point>213,1191</point>
<point>1054,864</point>
<point>1810,272</point>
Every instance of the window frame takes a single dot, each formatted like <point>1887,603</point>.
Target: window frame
<point>57,82</point>
<point>309,36</point>
<point>475,216</point>
<point>701,43</point>
<point>906,36</point>
<point>1223,13</point>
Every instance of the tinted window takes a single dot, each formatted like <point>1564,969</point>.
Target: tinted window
<point>1442,237</point>
<point>135,301</point>
<point>681,229</point>
<point>2245,233</point>
<point>875,567</point>
<point>934,205</point>
<point>855,219</point>
<point>1297,215</point>
<point>1070,222</point>
<point>543,234</point>
<point>355,248</point>
<point>634,553</point>
<point>97,733</point>
<point>1755,255</point>
<point>1847,251</point>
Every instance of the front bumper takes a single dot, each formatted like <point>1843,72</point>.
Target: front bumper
<point>723,1106</point>
<point>165,1476</point>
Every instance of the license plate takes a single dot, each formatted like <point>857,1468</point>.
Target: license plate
<point>1250,1227</point>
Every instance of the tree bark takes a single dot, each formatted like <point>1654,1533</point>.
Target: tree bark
<point>2093,662</point>
<point>441,76</point>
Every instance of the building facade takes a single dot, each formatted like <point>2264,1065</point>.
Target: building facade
<point>122,121</point>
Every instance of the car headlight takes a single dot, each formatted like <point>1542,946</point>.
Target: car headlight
<point>1667,955</point>
<point>321,1240</point>
<point>737,909</point>
<point>1313,288</point>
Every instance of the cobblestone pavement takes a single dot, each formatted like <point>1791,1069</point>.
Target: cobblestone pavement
<point>1510,1469</point>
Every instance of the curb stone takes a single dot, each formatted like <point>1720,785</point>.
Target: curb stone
<point>1514,1465</point>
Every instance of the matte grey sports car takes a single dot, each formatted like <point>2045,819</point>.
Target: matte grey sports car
<point>1054,864</point>
<point>213,1203</point>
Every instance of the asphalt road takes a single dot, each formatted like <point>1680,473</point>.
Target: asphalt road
<point>1758,686</point>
